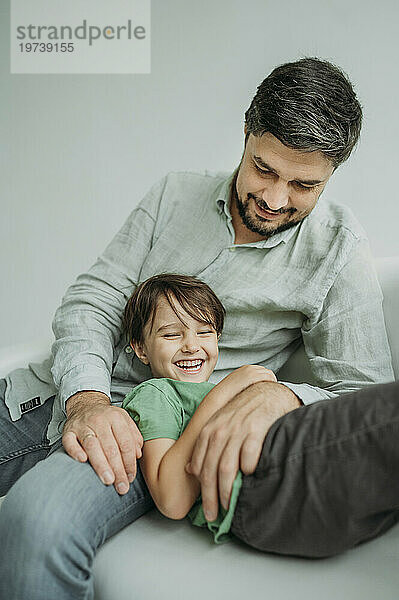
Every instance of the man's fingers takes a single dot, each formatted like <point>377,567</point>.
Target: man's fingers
<point>138,438</point>
<point>209,495</point>
<point>72,447</point>
<point>113,456</point>
<point>228,469</point>
<point>199,453</point>
<point>209,475</point>
<point>128,448</point>
<point>250,452</point>
<point>97,458</point>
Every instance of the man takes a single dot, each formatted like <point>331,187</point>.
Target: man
<point>289,269</point>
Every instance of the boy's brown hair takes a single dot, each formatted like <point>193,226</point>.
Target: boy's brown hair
<point>193,295</point>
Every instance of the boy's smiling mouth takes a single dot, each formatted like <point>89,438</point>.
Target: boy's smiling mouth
<point>190,366</point>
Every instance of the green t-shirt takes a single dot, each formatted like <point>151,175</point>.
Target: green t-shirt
<point>162,408</point>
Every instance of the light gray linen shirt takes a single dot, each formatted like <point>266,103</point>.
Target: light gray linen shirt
<point>312,284</point>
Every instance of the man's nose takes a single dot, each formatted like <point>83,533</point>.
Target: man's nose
<point>276,195</point>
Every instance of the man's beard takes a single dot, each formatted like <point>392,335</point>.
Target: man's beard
<point>258,224</point>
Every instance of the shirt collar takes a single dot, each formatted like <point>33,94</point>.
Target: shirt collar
<point>222,202</point>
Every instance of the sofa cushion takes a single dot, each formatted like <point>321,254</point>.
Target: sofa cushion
<point>158,559</point>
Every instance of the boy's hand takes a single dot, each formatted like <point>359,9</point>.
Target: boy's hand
<point>250,374</point>
<point>105,435</point>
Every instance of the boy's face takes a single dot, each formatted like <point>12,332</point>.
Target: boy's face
<point>183,351</point>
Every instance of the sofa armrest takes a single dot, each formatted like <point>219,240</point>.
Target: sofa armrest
<point>19,355</point>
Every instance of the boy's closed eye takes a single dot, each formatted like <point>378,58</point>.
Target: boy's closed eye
<point>174,335</point>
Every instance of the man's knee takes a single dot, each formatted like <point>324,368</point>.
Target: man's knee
<point>43,529</point>
<point>40,510</point>
<point>63,501</point>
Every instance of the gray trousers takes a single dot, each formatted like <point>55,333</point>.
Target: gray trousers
<point>328,477</point>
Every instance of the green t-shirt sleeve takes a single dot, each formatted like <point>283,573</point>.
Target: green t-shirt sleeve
<point>156,415</point>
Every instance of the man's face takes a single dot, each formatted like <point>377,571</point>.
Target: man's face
<point>276,186</point>
<point>185,351</point>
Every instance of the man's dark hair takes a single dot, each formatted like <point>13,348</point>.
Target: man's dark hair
<point>308,105</point>
<point>193,295</point>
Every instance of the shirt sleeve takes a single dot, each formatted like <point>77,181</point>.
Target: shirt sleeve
<point>346,343</point>
<point>87,326</point>
<point>154,413</point>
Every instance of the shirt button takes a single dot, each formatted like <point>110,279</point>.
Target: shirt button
<point>128,349</point>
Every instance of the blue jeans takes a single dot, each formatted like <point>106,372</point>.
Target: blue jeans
<point>57,513</point>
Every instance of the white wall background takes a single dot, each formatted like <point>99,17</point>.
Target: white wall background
<point>79,151</point>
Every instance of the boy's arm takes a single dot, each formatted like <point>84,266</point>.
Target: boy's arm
<point>163,463</point>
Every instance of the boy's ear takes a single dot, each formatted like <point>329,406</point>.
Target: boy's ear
<point>140,353</point>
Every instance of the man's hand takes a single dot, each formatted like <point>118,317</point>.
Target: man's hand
<point>233,439</point>
<point>105,435</point>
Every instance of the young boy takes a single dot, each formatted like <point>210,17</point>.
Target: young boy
<point>173,323</point>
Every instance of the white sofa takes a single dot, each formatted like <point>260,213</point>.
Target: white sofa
<point>156,558</point>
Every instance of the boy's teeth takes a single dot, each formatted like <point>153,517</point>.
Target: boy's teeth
<point>189,363</point>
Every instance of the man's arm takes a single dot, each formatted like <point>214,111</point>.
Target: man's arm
<point>346,341</point>
<point>87,327</point>
<point>163,464</point>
